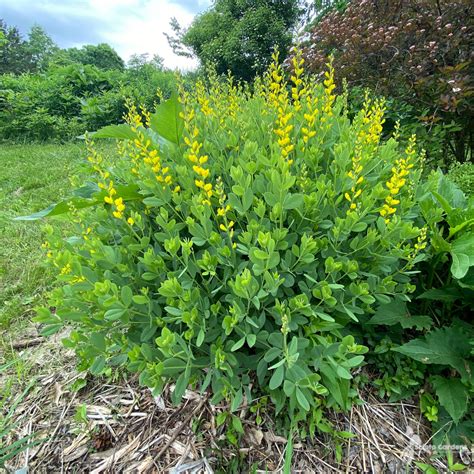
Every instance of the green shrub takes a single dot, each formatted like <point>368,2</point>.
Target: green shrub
<point>232,241</point>
<point>462,174</point>
<point>66,101</point>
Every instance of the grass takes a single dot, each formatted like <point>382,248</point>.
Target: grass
<point>31,178</point>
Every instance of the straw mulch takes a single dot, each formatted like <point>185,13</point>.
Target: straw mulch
<point>128,430</point>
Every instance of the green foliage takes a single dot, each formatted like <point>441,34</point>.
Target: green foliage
<point>68,100</point>
<point>240,35</point>
<point>41,48</point>
<point>239,270</point>
<point>19,56</point>
<point>102,56</point>
<point>462,174</point>
<point>13,57</point>
<point>444,297</point>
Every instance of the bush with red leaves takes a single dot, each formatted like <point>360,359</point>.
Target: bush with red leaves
<point>420,51</point>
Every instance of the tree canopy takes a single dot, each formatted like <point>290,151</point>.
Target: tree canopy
<point>239,35</point>
<point>102,56</point>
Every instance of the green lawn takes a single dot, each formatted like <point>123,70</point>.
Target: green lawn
<point>31,178</point>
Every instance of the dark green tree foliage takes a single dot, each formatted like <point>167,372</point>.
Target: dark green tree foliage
<point>14,55</point>
<point>239,35</point>
<point>102,56</point>
<point>40,48</point>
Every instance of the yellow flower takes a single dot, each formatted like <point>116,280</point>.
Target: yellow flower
<point>399,172</point>
<point>131,221</point>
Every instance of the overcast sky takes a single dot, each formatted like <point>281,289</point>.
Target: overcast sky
<point>130,26</point>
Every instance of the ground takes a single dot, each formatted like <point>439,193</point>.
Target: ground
<point>78,424</point>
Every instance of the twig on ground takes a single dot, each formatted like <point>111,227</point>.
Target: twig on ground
<point>180,428</point>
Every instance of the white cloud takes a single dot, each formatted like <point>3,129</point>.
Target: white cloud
<point>142,31</point>
<point>130,26</point>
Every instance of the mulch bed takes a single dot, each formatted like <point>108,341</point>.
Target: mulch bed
<point>128,430</point>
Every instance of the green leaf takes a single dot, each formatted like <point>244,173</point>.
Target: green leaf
<point>277,378</point>
<point>359,227</point>
<point>462,252</point>
<point>251,339</point>
<point>121,132</point>
<point>128,193</point>
<point>59,208</point>
<point>247,199</point>
<point>180,387</point>
<point>288,454</point>
<point>126,295</point>
<point>426,468</point>
<point>302,399</point>
<point>343,372</point>
<point>444,346</point>
<point>237,424</point>
<point>293,201</point>
<point>338,388</point>
<point>453,395</point>
<point>140,299</point>
<point>238,344</point>
<point>396,312</point>
<point>166,120</point>
<point>390,314</point>
<point>200,338</point>
<point>236,401</point>
<point>288,387</point>
<point>97,366</point>
<point>97,339</point>
<point>450,193</point>
<point>114,314</point>
<point>272,354</point>
<point>173,366</point>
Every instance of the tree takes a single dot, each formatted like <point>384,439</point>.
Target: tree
<point>138,61</point>
<point>14,55</point>
<point>102,56</point>
<point>239,35</point>
<point>40,47</point>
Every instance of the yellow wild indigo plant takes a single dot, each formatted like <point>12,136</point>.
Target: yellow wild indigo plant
<point>214,263</point>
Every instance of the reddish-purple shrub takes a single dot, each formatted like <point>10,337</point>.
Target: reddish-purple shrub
<point>421,51</point>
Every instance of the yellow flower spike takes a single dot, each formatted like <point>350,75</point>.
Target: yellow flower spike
<point>397,181</point>
<point>297,90</point>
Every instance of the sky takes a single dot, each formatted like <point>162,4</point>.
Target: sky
<point>129,26</point>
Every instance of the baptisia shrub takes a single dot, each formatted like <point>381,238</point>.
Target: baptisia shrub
<point>234,237</point>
